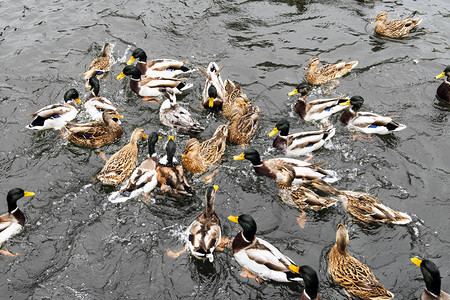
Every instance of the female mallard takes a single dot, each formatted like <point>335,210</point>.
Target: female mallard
<point>214,93</point>
<point>101,65</point>
<point>97,133</point>
<point>443,91</point>
<point>394,28</point>
<point>367,122</point>
<point>119,167</point>
<point>198,157</point>
<point>11,223</point>
<point>94,104</point>
<point>432,278</point>
<point>301,143</point>
<point>243,125</point>
<point>298,195</point>
<point>204,232</point>
<point>259,257</point>
<point>166,68</point>
<point>173,115</point>
<point>171,174</point>
<point>268,167</point>
<point>316,110</point>
<point>354,276</point>
<point>143,179</point>
<point>235,98</point>
<point>311,281</point>
<point>324,74</point>
<point>56,116</point>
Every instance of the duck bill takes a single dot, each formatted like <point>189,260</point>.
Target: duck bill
<point>233,219</point>
<point>294,269</point>
<point>78,100</point>
<point>416,261</point>
<point>216,187</point>
<point>211,102</point>
<point>274,131</point>
<point>294,92</point>
<point>440,75</point>
<point>120,76</point>
<point>130,61</point>
<point>118,116</point>
<point>144,136</point>
<point>170,138</point>
<point>239,157</point>
<point>346,103</point>
<point>376,20</point>
<point>28,194</point>
<point>306,68</point>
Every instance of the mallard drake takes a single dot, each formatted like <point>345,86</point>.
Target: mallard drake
<point>97,133</point>
<point>101,65</point>
<point>166,68</point>
<point>204,232</point>
<point>354,276</point>
<point>394,28</point>
<point>56,116</point>
<point>432,278</point>
<point>235,98</point>
<point>268,167</point>
<point>301,143</point>
<point>214,93</point>
<point>152,87</point>
<point>119,167</point>
<point>311,281</point>
<point>324,74</point>
<point>367,122</point>
<point>243,125</point>
<point>298,195</point>
<point>443,91</point>
<point>316,110</point>
<point>259,256</point>
<point>94,104</point>
<point>198,157</point>
<point>171,174</point>
<point>174,116</point>
<point>144,178</point>
<point>11,223</point>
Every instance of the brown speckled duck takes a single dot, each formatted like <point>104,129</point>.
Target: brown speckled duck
<point>394,28</point>
<point>324,74</point>
<point>101,65</point>
<point>235,99</point>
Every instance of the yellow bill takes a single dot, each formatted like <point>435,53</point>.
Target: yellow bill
<point>130,61</point>
<point>346,103</point>
<point>239,157</point>
<point>440,75</point>
<point>118,116</point>
<point>294,92</point>
<point>120,76</point>
<point>144,136</point>
<point>294,269</point>
<point>216,187</point>
<point>416,261</point>
<point>211,102</point>
<point>273,132</point>
<point>170,138</point>
<point>28,194</point>
<point>78,100</point>
<point>233,219</point>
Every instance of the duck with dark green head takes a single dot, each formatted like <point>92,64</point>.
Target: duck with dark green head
<point>311,281</point>
<point>432,278</point>
<point>94,104</point>
<point>443,91</point>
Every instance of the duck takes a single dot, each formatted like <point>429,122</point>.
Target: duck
<point>199,157</point>
<point>443,91</point>
<point>301,143</point>
<point>235,99</point>
<point>311,281</point>
<point>172,115</point>
<point>243,125</point>
<point>327,73</point>
<point>144,178</point>
<point>94,104</point>
<point>121,164</point>
<point>166,68</point>
<point>432,278</point>
<point>204,233</point>
<point>316,110</point>
<point>396,28</point>
<point>367,122</point>
<point>56,116</point>
<point>12,222</point>
<point>299,195</point>
<point>100,66</point>
<point>258,256</point>
<point>97,133</point>
<point>268,167</point>
<point>170,173</point>
<point>351,274</point>
<point>214,93</point>
<point>363,206</point>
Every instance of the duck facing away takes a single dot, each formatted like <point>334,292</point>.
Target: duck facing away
<point>99,66</point>
<point>94,104</point>
<point>432,278</point>
<point>235,99</point>
<point>443,91</point>
<point>327,73</point>
<point>396,28</point>
<point>243,125</point>
<point>214,93</point>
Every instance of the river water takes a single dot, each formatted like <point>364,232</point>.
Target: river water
<point>77,245</point>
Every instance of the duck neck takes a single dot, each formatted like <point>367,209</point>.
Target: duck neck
<point>134,84</point>
<point>248,235</point>
<point>12,204</point>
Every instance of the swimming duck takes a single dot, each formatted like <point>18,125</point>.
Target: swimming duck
<point>243,125</point>
<point>432,278</point>
<point>443,91</point>
<point>324,74</point>
<point>204,232</point>
<point>166,68</point>
<point>354,276</point>
<point>174,116</point>
<point>198,157</point>
<point>56,116</point>
<point>235,99</point>
<point>367,122</point>
<point>144,178</point>
<point>394,28</point>
<point>97,133</point>
<point>119,167</point>
<point>311,281</point>
<point>316,110</point>
<point>301,143</point>
<point>268,167</point>
<point>171,174</point>
<point>259,256</point>
<point>11,222</point>
<point>101,65</point>
<point>94,104</point>
<point>214,93</point>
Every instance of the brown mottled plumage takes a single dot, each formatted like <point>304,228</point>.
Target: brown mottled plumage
<point>394,28</point>
<point>243,125</point>
<point>100,65</point>
<point>324,74</point>
<point>235,99</point>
